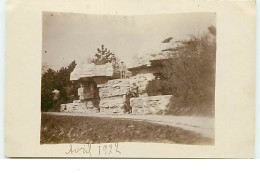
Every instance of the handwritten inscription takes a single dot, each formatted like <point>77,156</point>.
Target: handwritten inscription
<point>86,149</point>
<point>108,149</point>
<point>102,150</point>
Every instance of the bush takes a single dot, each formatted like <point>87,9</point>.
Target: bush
<point>190,76</point>
<point>157,87</point>
<point>59,80</point>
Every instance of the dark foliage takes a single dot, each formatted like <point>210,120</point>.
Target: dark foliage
<point>103,56</point>
<point>158,87</point>
<point>59,80</point>
<point>189,75</point>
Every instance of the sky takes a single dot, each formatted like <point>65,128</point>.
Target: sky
<point>71,36</point>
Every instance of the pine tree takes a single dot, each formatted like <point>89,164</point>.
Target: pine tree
<point>103,56</point>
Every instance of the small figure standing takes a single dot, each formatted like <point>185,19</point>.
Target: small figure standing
<point>127,105</point>
<point>135,90</point>
<point>122,70</point>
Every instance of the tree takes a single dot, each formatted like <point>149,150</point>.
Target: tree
<point>103,56</point>
<point>48,85</point>
<point>59,80</point>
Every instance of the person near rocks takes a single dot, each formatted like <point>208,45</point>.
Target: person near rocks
<point>122,71</point>
<point>135,90</point>
<point>128,96</point>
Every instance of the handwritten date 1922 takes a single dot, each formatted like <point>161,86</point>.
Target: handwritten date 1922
<point>102,150</point>
<point>108,149</point>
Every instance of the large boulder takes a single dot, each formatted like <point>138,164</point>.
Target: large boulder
<point>86,92</point>
<point>114,105</point>
<point>119,87</point>
<point>116,87</point>
<point>141,80</point>
<point>79,107</point>
<point>112,96</point>
<point>112,93</point>
<point>92,70</point>
<point>150,105</point>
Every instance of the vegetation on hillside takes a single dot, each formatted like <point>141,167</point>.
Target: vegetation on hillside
<point>189,75</point>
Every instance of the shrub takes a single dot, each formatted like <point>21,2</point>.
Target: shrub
<point>190,76</point>
<point>59,80</point>
<point>157,87</point>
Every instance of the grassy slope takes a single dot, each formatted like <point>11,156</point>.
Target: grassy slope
<point>73,129</point>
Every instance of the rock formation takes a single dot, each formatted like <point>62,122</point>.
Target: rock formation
<point>111,92</point>
<point>79,107</point>
<point>92,70</point>
<point>150,105</point>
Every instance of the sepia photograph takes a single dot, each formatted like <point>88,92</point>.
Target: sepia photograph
<point>139,78</point>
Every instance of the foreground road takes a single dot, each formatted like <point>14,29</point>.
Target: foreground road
<point>202,125</point>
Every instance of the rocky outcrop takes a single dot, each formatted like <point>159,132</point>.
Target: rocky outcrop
<point>112,93</point>
<point>98,81</point>
<point>92,70</point>
<point>150,105</point>
<point>86,92</point>
<point>112,105</point>
<point>119,87</point>
<point>78,106</point>
<point>141,80</point>
<point>113,88</point>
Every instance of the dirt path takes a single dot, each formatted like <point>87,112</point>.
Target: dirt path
<point>202,125</point>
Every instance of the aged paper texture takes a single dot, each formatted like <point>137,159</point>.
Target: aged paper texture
<point>78,83</point>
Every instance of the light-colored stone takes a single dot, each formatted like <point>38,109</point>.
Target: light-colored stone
<point>150,105</point>
<point>79,107</point>
<point>162,51</point>
<point>86,92</point>
<point>112,93</point>
<point>119,87</point>
<point>114,105</point>
<point>62,107</point>
<point>116,87</point>
<point>92,70</point>
<point>141,80</point>
<point>76,101</point>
